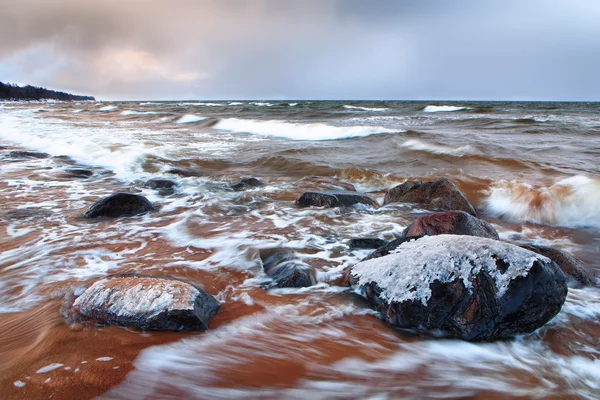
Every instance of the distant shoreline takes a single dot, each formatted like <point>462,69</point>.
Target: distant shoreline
<point>12,92</point>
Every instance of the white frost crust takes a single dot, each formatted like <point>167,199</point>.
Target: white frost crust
<point>135,296</point>
<point>407,272</point>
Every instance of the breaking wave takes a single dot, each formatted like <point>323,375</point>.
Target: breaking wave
<point>418,145</point>
<point>572,202</point>
<point>189,118</point>
<point>108,108</point>
<point>297,131</point>
<point>349,107</point>
<point>431,109</point>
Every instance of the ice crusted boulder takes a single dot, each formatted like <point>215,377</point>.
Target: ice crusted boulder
<point>286,269</point>
<point>119,205</point>
<point>450,222</point>
<point>145,302</point>
<point>440,195</point>
<point>334,199</point>
<point>465,287</point>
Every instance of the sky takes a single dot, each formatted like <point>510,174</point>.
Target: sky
<point>305,49</point>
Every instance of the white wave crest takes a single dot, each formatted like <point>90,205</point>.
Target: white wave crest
<point>77,111</point>
<point>236,103</point>
<point>572,202</point>
<point>431,109</point>
<point>132,112</point>
<point>418,145</point>
<point>297,131</point>
<point>108,108</point>
<point>189,118</point>
<point>262,104</point>
<point>349,107</point>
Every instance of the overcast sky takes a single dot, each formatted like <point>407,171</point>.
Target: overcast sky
<point>305,49</point>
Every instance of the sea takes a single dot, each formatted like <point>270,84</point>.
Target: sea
<point>530,169</point>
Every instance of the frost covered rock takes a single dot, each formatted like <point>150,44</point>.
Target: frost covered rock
<point>464,287</point>
<point>450,222</point>
<point>119,205</point>
<point>334,199</point>
<point>145,302</point>
<point>325,183</point>
<point>573,267</point>
<point>440,195</point>
<point>286,269</point>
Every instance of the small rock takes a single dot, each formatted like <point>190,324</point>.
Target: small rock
<point>325,183</point>
<point>366,243</point>
<point>185,172</point>
<point>165,187</point>
<point>247,183</point>
<point>334,199</point>
<point>441,194</point>
<point>286,269</point>
<point>27,154</point>
<point>77,173</point>
<point>119,205</point>
<point>573,267</point>
<point>450,222</point>
<point>145,302</point>
<point>465,287</point>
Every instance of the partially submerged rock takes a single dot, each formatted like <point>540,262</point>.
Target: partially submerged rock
<point>334,199</point>
<point>286,269</point>
<point>21,154</point>
<point>119,205</point>
<point>440,195</point>
<point>78,173</point>
<point>366,243</point>
<point>573,267</point>
<point>325,183</point>
<point>450,222</point>
<point>247,183</point>
<point>165,187</point>
<point>145,302</point>
<point>186,172</point>
<point>463,287</point>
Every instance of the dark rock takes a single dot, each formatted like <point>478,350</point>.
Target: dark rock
<point>440,194</point>
<point>26,213</point>
<point>77,173</point>
<point>145,302</point>
<point>573,267</point>
<point>389,247</point>
<point>450,222</point>
<point>464,287</point>
<point>119,205</point>
<point>286,269</point>
<point>160,184</point>
<point>366,243</point>
<point>334,199</point>
<point>325,183</point>
<point>186,172</point>
<point>27,154</point>
<point>247,183</point>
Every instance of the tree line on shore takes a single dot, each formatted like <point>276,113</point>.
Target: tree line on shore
<point>11,91</point>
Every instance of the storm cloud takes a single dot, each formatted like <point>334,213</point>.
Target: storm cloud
<point>312,49</point>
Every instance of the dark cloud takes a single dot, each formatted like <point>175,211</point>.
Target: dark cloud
<point>305,49</point>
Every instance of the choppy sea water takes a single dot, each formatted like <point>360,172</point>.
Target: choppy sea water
<point>531,169</point>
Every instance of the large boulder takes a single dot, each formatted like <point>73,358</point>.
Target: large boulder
<point>119,205</point>
<point>440,195</point>
<point>465,287</point>
<point>246,183</point>
<point>325,183</point>
<point>450,222</point>
<point>286,269</point>
<point>334,199</point>
<point>572,266</point>
<point>145,302</point>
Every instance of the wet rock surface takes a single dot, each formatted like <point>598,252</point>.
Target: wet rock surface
<point>145,302</point>
<point>21,154</point>
<point>465,287</point>
<point>574,268</point>
<point>334,199</point>
<point>165,187</point>
<point>325,183</point>
<point>438,195</point>
<point>366,243</point>
<point>185,172</point>
<point>451,222</point>
<point>247,183</point>
<point>77,173</point>
<point>119,205</point>
<point>286,269</point>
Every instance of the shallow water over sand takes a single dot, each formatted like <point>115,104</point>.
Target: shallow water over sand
<point>530,169</point>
